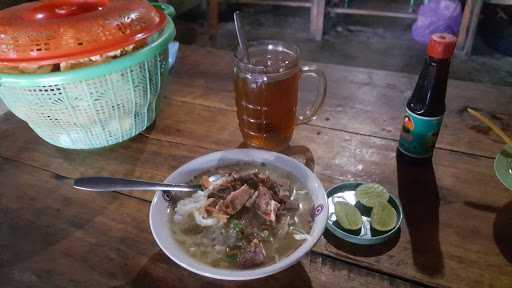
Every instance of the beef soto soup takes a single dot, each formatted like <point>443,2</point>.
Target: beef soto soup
<point>251,216</point>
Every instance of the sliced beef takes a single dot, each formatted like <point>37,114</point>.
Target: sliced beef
<point>215,208</point>
<point>265,205</point>
<point>280,188</point>
<point>248,188</point>
<point>221,188</point>
<point>249,177</point>
<point>237,199</point>
<point>291,205</point>
<point>251,200</point>
<point>284,189</point>
<point>219,206</point>
<point>209,206</point>
<point>236,185</point>
<point>223,183</point>
<point>220,213</point>
<point>252,254</point>
<point>221,193</point>
<point>205,182</point>
<point>267,182</point>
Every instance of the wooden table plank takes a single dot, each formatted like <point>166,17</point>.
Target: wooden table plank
<point>198,117</point>
<point>337,156</point>
<point>343,157</point>
<point>362,101</point>
<point>140,158</point>
<point>54,236</point>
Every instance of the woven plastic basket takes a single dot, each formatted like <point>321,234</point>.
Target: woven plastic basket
<point>95,106</point>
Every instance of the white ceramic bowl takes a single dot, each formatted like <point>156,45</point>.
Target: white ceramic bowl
<point>159,218</point>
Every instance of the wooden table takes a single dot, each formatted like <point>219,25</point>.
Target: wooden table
<point>458,228</point>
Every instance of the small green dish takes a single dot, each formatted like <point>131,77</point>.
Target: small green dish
<point>366,235</point>
<point>503,166</point>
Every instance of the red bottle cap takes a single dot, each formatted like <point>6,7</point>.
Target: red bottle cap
<point>441,46</point>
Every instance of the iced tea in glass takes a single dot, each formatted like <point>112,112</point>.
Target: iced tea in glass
<point>267,94</point>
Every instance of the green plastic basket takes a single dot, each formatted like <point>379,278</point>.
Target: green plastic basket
<point>96,106</point>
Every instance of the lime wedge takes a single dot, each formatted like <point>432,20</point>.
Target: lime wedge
<point>383,217</point>
<point>348,216</point>
<point>371,194</point>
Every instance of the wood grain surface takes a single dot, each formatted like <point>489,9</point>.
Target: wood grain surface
<point>458,217</point>
<point>362,101</point>
<point>55,236</point>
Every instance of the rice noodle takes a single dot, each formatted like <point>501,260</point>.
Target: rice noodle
<point>299,234</point>
<point>203,221</point>
<point>194,206</point>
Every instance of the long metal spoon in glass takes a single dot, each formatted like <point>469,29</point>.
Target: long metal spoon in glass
<point>241,37</point>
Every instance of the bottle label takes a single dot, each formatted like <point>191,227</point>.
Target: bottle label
<point>419,134</point>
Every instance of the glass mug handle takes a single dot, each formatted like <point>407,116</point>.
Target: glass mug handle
<point>311,111</point>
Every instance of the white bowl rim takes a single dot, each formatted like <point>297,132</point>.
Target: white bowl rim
<point>247,274</point>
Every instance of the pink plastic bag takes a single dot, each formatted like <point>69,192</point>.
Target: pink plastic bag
<point>437,16</point>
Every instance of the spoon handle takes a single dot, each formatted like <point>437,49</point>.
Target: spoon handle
<point>241,37</point>
<point>120,184</point>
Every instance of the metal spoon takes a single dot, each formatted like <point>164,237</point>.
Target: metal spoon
<point>241,37</point>
<point>120,184</point>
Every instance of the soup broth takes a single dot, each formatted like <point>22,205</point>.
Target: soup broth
<point>249,237</point>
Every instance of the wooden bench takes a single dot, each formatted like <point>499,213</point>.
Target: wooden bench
<point>317,12</point>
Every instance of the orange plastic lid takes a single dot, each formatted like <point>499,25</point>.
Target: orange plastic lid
<point>55,31</point>
<point>441,46</point>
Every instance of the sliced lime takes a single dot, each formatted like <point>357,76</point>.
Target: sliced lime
<point>371,194</point>
<point>348,216</point>
<point>383,217</point>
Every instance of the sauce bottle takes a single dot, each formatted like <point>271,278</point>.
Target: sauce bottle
<point>426,106</point>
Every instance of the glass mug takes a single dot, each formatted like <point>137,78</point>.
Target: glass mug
<point>267,94</point>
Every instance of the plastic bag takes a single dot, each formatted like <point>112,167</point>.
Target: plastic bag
<point>437,16</point>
